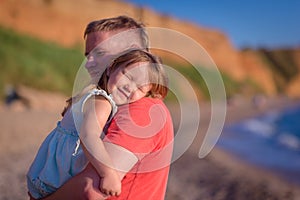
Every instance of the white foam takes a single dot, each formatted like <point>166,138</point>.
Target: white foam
<point>289,140</point>
<point>259,127</point>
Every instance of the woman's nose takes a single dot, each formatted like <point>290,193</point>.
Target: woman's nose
<point>90,62</point>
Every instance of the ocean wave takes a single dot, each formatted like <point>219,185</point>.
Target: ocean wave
<point>258,127</point>
<point>271,140</point>
<point>278,128</point>
<point>289,140</point>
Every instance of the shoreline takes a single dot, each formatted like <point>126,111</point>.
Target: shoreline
<point>282,171</point>
<point>224,175</point>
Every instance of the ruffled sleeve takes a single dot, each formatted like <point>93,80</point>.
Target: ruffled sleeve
<point>97,92</point>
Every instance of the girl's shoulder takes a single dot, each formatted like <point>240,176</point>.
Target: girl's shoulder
<point>99,92</point>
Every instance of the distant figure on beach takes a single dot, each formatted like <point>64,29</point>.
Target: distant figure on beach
<point>12,95</point>
<point>130,151</point>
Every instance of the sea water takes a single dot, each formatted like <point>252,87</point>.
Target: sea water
<point>271,141</point>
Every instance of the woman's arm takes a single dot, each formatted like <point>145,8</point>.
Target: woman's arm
<point>96,113</point>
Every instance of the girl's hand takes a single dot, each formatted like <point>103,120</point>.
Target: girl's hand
<point>111,184</point>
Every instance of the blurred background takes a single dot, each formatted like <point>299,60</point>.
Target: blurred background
<point>255,45</point>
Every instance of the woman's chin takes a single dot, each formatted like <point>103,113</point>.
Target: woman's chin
<point>94,80</point>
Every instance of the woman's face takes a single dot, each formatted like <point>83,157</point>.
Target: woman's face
<point>102,47</point>
<point>97,52</point>
<point>129,83</point>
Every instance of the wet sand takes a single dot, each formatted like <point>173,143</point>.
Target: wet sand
<point>219,175</point>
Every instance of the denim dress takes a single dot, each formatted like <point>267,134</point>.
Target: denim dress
<point>60,157</point>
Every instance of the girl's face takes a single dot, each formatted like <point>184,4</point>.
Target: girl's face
<point>129,83</point>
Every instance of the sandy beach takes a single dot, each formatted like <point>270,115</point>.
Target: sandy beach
<point>219,175</point>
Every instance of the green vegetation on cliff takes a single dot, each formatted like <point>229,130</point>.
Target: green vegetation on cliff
<point>43,65</point>
<point>27,61</point>
<point>197,80</point>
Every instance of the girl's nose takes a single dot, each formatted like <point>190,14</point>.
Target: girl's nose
<point>126,87</point>
<point>130,87</point>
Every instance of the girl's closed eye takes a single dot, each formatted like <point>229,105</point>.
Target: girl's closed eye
<point>127,75</point>
<point>144,88</point>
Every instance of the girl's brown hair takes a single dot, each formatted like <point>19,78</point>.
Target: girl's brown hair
<point>156,73</point>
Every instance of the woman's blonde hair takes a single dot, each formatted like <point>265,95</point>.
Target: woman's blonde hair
<point>121,22</point>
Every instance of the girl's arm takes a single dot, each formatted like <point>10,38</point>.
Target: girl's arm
<point>96,113</point>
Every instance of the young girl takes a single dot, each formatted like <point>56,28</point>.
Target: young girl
<point>62,155</point>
